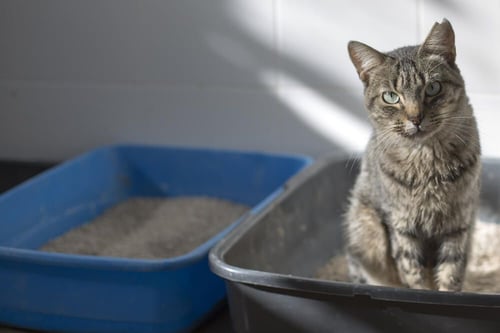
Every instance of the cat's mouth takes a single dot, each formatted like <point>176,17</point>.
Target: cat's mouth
<point>417,132</point>
<point>414,130</point>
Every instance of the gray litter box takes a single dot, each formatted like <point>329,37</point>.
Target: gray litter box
<point>269,264</point>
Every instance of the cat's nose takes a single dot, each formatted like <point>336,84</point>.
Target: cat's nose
<point>414,112</point>
<point>416,120</point>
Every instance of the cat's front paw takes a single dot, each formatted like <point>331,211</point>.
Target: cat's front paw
<point>449,278</point>
<point>415,282</point>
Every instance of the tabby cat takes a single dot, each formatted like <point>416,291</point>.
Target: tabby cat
<point>413,206</point>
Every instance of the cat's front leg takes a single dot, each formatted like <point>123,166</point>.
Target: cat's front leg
<point>452,260</point>
<point>407,254</point>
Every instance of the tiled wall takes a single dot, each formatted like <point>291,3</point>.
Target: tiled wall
<point>243,74</point>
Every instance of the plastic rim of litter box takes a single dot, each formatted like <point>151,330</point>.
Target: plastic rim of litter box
<point>316,286</point>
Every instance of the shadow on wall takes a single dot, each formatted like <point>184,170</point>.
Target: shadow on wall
<point>319,101</point>
<point>330,117</point>
<point>324,103</point>
<point>218,74</point>
<point>114,71</point>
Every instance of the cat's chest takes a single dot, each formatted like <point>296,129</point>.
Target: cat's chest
<point>426,192</point>
<point>425,173</point>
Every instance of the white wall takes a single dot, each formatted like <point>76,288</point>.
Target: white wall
<point>269,75</point>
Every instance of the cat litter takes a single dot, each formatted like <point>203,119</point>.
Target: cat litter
<point>141,266</point>
<point>483,269</point>
<point>150,228</point>
<point>270,265</point>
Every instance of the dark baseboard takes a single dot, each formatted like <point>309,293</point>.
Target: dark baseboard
<point>13,173</point>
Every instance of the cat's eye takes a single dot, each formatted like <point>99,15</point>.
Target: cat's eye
<point>390,97</point>
<point>433,88</point>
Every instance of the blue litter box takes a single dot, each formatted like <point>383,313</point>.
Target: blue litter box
<point>75,293</point>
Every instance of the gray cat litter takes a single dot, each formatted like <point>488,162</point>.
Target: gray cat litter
<point>483,269</point>
<point>149,228</point>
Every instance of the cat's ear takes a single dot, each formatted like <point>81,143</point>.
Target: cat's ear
<point>364,58</point>
<point>440,42</point>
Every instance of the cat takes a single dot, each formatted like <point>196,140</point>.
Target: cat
<point>412,209</point>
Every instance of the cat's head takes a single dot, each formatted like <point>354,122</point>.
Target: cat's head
<point>412,92</point>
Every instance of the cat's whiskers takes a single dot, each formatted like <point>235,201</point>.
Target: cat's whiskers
<point>460,129</point>
<point>353,159</point>
<point>451,117</point>
<point>459,138</point>
<point>385,138</point>
<point>450,114</point>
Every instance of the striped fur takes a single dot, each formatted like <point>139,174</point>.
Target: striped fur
<point>414,203</point>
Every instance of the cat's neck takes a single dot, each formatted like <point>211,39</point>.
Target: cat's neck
<point>434,149</point>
